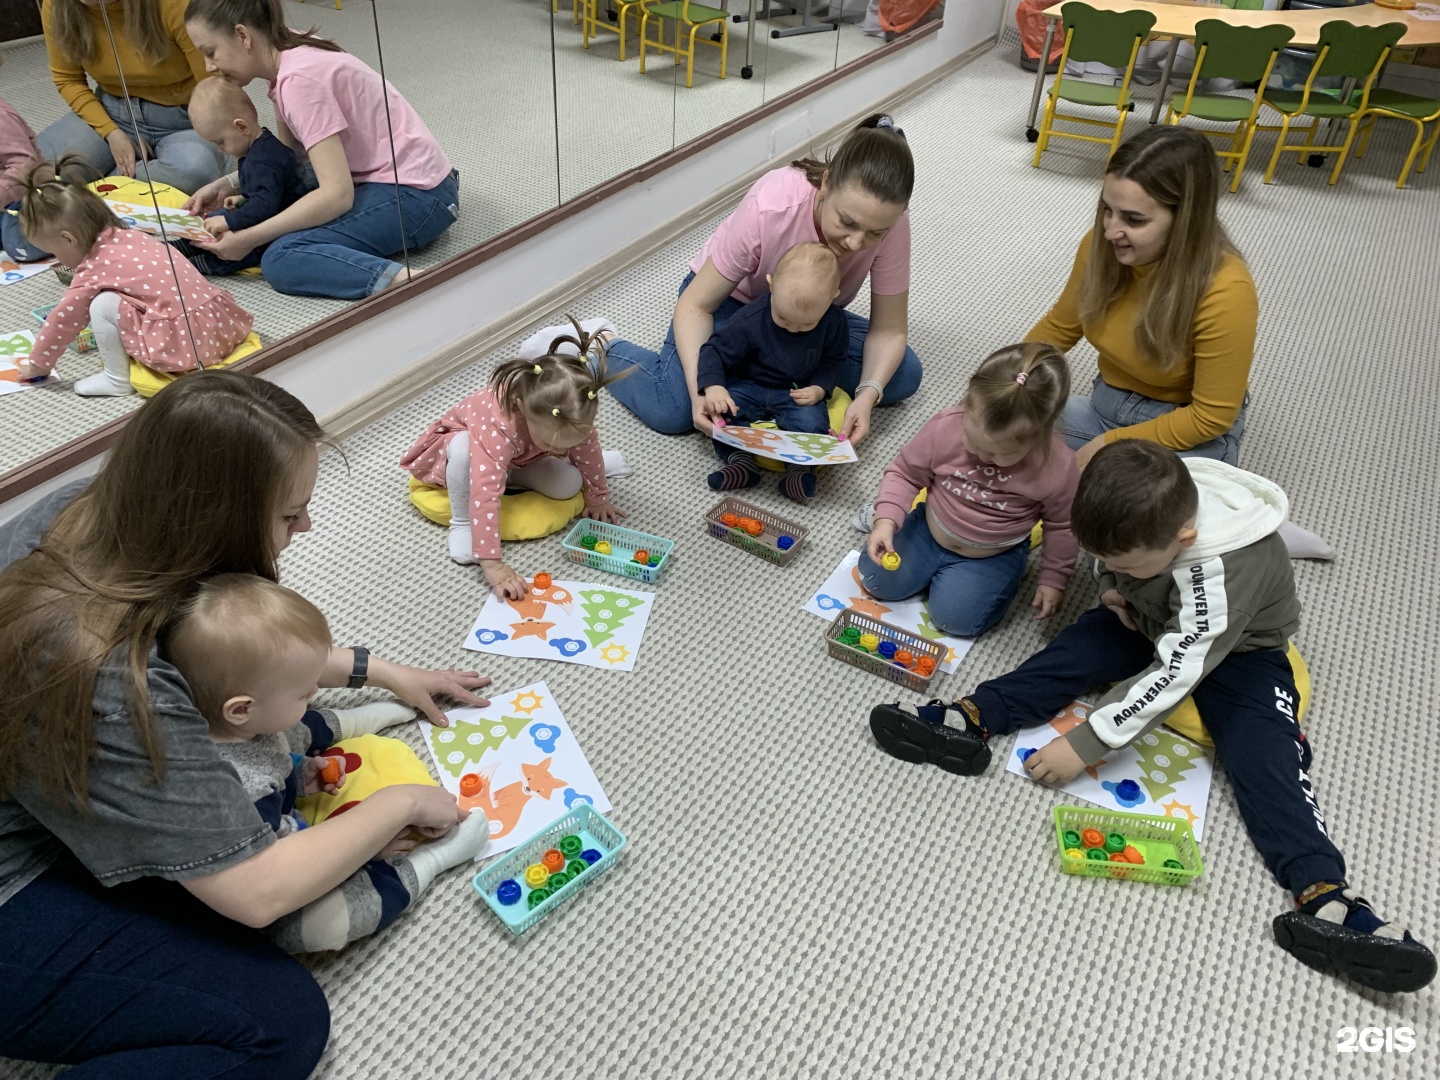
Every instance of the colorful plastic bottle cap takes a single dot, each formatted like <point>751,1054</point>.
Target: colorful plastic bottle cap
<point>508,893</point>
<point>1092,838</point>
<point>535,898</point>
<point>602,548</point>
<point>1074,853</point>
<point>553,861</point>
<point>754,528</point>
<point>642,557</point>
<point>890,561</point>
<point>1096,854</point>
<point>784,543</point>
<point>925,665</point>
<point>556,883</point>
<point>1071,838</point>
<point>1132,855</point>
<point>850,635</point>
<point>470,785</point>
<point>1116,856</point>
<point>1114,842</point>
<point>542,581</point>
<point>1127,791</point>
<point>904,657</point>
<point>570,845</point>
<point>576,868</point>
<point>536,876</point>
<point>588,542</point>
<point>729,520</point>
<point>887,650</point>
<point>1025,756</point>
<point>590,855</point>
<point>1173,864</point>
<point>330,771</point>
<point>869,642</point>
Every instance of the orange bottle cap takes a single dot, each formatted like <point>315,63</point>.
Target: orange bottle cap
<point>470,784</point>
<point>330,771</point>
<point>1092,838</point>
<point>542,580</point>
<point>553,861</point>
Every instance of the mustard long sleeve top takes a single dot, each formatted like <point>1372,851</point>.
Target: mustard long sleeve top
<point>168,82</point>
<point>1209,385</point>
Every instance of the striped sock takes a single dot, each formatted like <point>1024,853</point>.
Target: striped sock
<point>798,483</point>
<point>738,472</point>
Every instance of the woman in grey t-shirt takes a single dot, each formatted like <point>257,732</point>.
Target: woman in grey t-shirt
<point>130,854</point>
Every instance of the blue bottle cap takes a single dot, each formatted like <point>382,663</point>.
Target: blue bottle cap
<point>509,892</point>
<point>784,543</point>
<point>1127,790</point>
<point>887,650</point>
<point>1025,756</point>
<point>590,855</point>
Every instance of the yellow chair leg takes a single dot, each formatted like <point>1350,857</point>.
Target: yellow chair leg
<point>1344,152</point>
<point>1119,130</point>
<point>1279,147</point>
<point>724,47</point>
<point>644,27</point>
<point>1429,147</point>
<point>1044,132</point>
<point>1367,129</point>
<point>1244,155</point>
<point>1410,158</point>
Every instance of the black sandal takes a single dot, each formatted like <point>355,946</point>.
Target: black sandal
<point>1390,965</point>
<point>922,741</point>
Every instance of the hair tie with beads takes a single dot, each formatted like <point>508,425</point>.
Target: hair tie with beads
<point>539,370</point>
<point>590,394</point>
<point>1020,378</point>
<point>554,412</point>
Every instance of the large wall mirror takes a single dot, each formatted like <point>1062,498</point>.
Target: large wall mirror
<point>531,102</point>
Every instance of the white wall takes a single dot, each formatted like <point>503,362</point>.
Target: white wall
<point>346,366</point>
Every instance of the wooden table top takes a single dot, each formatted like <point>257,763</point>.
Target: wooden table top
<point>1177,18</point>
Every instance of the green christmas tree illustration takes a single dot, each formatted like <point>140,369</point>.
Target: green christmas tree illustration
<point>1164,760</point>
<point>815,445</point>
<point>604,612</point>
<point>464,741</point>
<point>16,345</point>
<point>928,629</point>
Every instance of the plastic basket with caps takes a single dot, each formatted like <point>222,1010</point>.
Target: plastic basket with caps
<point>757,531</point>
<point>1130,847</point>
<point>623,545</point>
<point>894,654</point>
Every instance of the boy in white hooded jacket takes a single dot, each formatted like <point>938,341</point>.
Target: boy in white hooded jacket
<point>1196,600</point>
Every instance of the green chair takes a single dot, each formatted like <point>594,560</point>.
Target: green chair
<point>1242,53</point>
<point>616,13</point>
<point>1396,105</point>
<point>683,13</point>
<point>1112,38</point>
<point>1344,51</point>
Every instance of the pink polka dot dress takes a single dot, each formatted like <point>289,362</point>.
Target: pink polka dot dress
<point>152,324</point>
<point>498,443</point>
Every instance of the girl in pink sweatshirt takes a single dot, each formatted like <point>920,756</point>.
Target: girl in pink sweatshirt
<point>511,434</point>
<point>993,467</point>
<point>140,299</point>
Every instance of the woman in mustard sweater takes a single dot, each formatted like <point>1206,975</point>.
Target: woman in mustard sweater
<point>160,67</point>
<point>1168,303</point>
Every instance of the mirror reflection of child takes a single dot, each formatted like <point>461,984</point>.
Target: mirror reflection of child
<point>18,155</point>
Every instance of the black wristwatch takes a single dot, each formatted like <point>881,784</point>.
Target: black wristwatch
<point>361,671</point>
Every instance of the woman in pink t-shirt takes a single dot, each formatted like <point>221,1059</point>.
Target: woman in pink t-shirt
<point>855,203</point>
<point>338,239</point>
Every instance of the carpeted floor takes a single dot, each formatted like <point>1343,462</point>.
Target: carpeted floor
<point>797,904</point>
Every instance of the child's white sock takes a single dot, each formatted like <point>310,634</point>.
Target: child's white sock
<point>371,719</point>
<point>461,846</point>
<point>103,384</point>
<point>615,464</point>
<point>457,486</point>
<point>1304,544</point>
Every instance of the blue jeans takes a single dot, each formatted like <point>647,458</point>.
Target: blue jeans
<point>349,258</point>
<point>757,402</point>
<point>967,596</point>
<point>12,237</point>
<point>1108,408</point>
<point>142,980</point>
<point>182,158</point>
<point>658,394</point>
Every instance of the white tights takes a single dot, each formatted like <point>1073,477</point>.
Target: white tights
<point>114,380</point>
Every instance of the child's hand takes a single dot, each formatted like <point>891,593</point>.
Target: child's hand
<point>718,402</point>
<point>882,538</point>
<point>315,783</point>
<point>1116,603</point>
<point>233,202</point>
<point>605,512</point>
<point>508,585</point>
<point>216,225</point>
<point>1054,763</point>
<point>1047,601</point>
<point>808,395</point>
<point>28,372</point>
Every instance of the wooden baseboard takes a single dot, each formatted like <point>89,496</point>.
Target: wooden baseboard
<point>414,380</point>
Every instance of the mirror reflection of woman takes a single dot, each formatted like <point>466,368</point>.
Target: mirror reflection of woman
<point>160,67</point>
<point>338,240</point>
<point>855,203</point>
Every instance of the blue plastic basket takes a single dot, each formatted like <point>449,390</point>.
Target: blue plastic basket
<point>623,545</point>
<point>582,821</point>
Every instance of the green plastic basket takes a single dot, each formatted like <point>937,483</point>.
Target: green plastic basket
<point>1156,838</point>
<point>623,545</point>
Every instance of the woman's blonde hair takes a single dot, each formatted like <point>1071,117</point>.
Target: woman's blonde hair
<point>1021,386</point>
<point>559,387</point>
<point>56,198</point>
<point>1177,168</point>
<point>71,29</point>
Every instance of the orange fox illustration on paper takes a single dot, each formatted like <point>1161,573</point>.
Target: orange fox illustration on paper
<point>754,438</point>
<point>503,806</point>
<point>865,603</point>
<point>1071,717</point>
<point>531,628</point>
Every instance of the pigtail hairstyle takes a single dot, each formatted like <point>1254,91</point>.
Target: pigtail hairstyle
<point>874,157</point>
<point>56,198</point>
<point>73,32</point>
<point>1177,168</point>
<point>1024,386</point>
<point>265,17</point>
<point>560,387</point>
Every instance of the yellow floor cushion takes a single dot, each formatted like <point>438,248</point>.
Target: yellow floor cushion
<point>1186,718</point>
<point>526,515</point>
<point>372,762</point>
<point>148,382</point>
<point>838,403</point>
<point>126,189</point>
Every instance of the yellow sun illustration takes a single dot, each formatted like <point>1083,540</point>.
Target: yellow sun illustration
<point>527,701</point>
<point>1176,809</point>
<point>614,654</point>
<point>949,655</point>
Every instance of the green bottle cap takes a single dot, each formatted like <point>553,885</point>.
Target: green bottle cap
<point>1096,854</point>
<point>1114,843</point>
<point>570,846</point>
<point>576,868</point>
<point>1173,864</point>
<point>1072,838</point>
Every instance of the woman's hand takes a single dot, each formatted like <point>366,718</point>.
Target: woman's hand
<point>210,197</point>
<point>882,539</point>
<point>1047,601</point>
<point>699,415</point>
<point>508,585</point>
<point>231,246</point>
<point>605,512</point>
<point>420,686</point>
<point>125,152</point>
<point>856,425</point>
<point>1089,450</point>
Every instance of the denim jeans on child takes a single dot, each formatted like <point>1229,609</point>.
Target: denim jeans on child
<point>13,239</point>
<point>350,257</point>
<point>967,596</point>
<point>182,158</point>
<point>658,394</point>
<point>1107,408</point>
